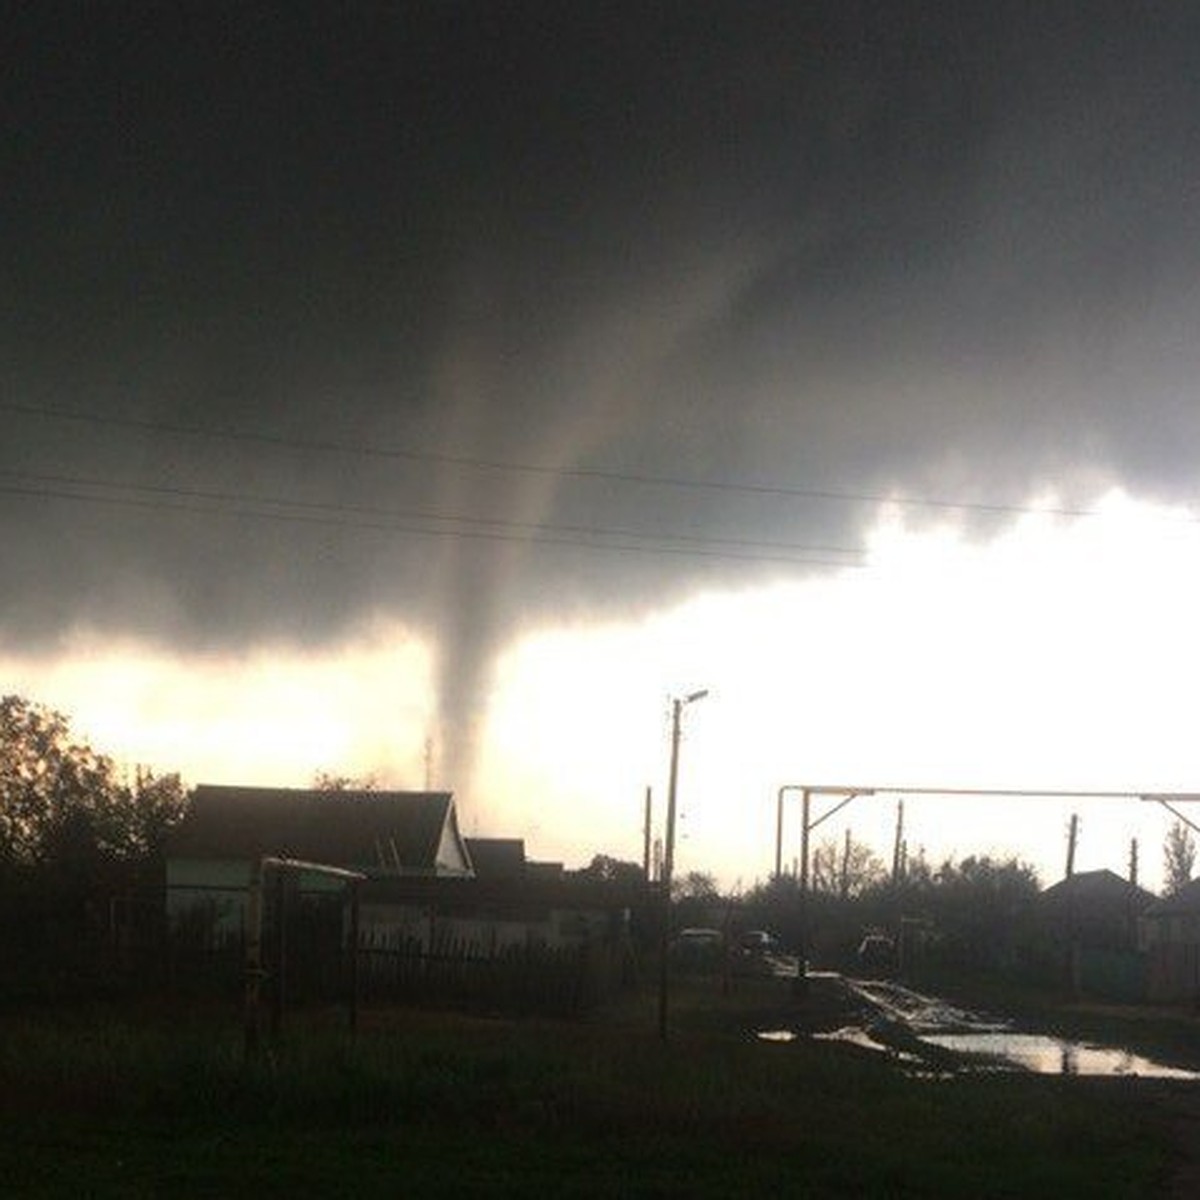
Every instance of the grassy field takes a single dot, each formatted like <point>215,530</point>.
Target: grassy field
<point>104,1104</point>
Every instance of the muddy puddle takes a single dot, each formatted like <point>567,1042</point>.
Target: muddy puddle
<point>1047,1055</point>
<point>927,1034</point>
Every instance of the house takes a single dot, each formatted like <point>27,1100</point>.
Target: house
<point>213,851</point>
<point>428,922</point>
<point>504,858</point>
<point>497,858</point>
<point>1085,930</point>
<point>1095,909</point>
<point>1169,932</point>
<point>1173,920</point>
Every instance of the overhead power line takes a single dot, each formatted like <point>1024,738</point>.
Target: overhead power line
<point>164,504</point>
<point>601,475</point>
<point>353,511</point>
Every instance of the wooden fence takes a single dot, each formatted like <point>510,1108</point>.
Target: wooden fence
<point>452,973</point>
<point>1173,973</point>
<point>464,974</point>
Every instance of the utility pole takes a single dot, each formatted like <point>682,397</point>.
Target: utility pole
<point>844,881</point>
<point>677,706</point>
<point>1072,945</point>
<point>1133,862</point>
<point>806,813</point>
<point>1072,838</point>
<point>898,845</point>
<point>672,779</point>
<point>429,764</point>
<point>646,837</point>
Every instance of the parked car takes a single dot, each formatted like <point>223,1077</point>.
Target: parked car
<point>758,952</point>
<point>698,949</point>
<point>758,941</point>
<point>877,952</point>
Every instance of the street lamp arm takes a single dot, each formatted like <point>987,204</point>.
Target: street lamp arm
<point>835,809</point>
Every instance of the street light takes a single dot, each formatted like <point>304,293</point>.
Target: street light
<point>807,825</point>
<point>808,791</point>
<point>677,707</point>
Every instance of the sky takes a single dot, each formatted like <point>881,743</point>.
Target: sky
<point>493,373</point>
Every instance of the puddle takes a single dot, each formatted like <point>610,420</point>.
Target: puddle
<point>920,1030</point>
<point>1046,1055</point>
<point>852,1035</point>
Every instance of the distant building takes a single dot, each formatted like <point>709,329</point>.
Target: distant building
<point>425,884</point>
<point>1095,909</point>
<point>212,852</point>
<point>1086,934</point>
<point>1170,935</point>
<point>497,858</point>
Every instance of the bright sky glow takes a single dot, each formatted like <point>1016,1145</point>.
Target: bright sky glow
<point>1059,654</point>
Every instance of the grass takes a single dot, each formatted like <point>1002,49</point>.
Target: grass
<point>99,1104</point>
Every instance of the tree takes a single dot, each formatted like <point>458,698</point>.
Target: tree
<point>844,869</point>
<point>62,802</point>
<point>977,905</point>
<point>1179,857</point>
<point>608,869</point>
<point>329,781</point>
<point>695,885</point>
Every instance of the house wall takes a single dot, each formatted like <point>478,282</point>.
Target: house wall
<point>450,858</point>
<point>213,892</point>
<point>384,923</point>
<point>210,892</point>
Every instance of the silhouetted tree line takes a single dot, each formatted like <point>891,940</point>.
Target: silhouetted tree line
<point>78,839</point>
<point>971,913</point>
<point>1179,858</point>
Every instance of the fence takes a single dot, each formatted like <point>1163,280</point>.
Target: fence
<point>461,973</point>
<point>1173,973</point>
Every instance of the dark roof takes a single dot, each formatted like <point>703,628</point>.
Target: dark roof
<point>497,858</point>
<point>1097,888</point>
<point>1183,902</point>
<point>343,828</point>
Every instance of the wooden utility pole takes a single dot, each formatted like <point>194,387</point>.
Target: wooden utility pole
<point>805,831</point>
<point>254,961</point>
<point>1072,839</point>
<point>1133,862</point>
<point>646,837</point>
<point>898,845</point>
<point>668,869</point>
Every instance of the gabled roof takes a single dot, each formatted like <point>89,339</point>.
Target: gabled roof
<point>391,831</point>
<point>1183,902</point>
<point>497,858</point>
<point>1098,888</point>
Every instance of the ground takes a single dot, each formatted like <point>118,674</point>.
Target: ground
<point>120,1102</point>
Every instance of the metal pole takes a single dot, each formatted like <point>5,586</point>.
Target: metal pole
<point>355,905</point>
<point>898,845</point>
<point>806,829</point>
<point>668,865</point>
<point>277,997</point>
<point>779,832</point>
<point>669,862</point>
<point>646,836</point>
<point>806,826</point>
<point>254,907</point>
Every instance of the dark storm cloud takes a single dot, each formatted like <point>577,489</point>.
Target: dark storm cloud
<point>822,247</point>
